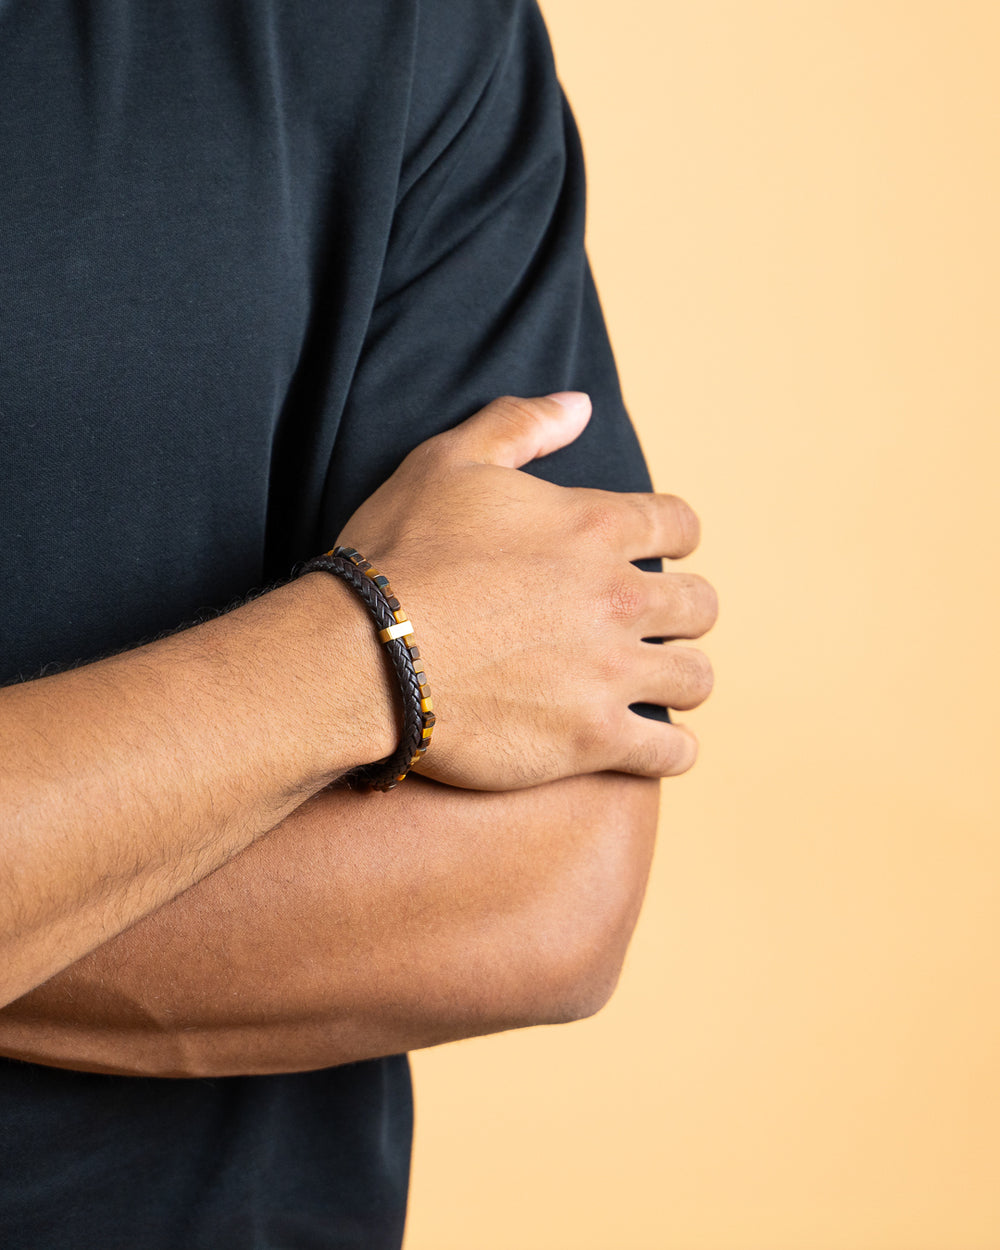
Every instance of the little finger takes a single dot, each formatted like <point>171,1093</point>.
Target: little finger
<point>654,749</point>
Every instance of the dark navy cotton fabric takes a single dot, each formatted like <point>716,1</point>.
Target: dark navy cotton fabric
<point>250,254</point>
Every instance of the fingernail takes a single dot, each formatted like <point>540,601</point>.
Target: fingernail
<point>570,399</point>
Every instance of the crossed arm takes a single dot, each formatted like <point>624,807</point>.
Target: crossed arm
<point>359,926</point>
<point>364,926</point>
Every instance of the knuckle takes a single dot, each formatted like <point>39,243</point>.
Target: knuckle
<point>703,677</point>
<point>595,730</point>
<point>514,411</point>
<point>683,751</point>
<point>611,665</point>
<point>704,599</point>
<point>646,759</point>
<point>695,675</point>
<point>639,517</point>
<point>685,596</point>
<point>687,523</point>
<point>625,599</point>
<point>600,522</point>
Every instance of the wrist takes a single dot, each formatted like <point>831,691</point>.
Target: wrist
<point>394,630</point>
<point>347,698</point>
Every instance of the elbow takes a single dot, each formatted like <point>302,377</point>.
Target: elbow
<point>574,948</point>
<point>589,992</point>
<point>571,951</point>
<point>577,980</point>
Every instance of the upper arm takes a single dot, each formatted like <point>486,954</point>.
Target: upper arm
<point>485,287</point>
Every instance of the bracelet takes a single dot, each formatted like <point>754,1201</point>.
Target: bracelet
<point>395,632</point>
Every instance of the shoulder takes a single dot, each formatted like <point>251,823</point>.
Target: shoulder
<point>473,58</point>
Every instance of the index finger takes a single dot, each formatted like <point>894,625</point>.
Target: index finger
<point>659,525</point>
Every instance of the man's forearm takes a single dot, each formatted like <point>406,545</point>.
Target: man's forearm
<point>129,779</point>
<point>365,927</point>
<point>126,780</point>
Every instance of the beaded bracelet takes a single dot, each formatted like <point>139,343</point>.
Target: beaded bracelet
<point>396,633</point>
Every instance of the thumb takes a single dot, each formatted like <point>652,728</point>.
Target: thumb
<point>511,431</point>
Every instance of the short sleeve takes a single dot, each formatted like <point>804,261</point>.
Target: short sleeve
<point>486,288</point>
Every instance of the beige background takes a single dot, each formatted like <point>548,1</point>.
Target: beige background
<point>794,214</point>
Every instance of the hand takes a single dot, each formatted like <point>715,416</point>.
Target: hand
<point>528,613</point>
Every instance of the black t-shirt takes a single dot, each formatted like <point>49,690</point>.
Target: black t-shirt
<point>250,254</point>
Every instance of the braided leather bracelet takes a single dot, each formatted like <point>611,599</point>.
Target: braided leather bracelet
<point>396,633</point>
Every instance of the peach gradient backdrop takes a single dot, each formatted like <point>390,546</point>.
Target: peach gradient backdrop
<point>794,226</point>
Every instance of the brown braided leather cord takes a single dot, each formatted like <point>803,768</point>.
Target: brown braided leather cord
<point>418,716</point>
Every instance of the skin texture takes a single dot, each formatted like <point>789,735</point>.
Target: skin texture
<point>125,781</point>
<point>128,780</point>
<point>365,926</point>
<point>545,689</point>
